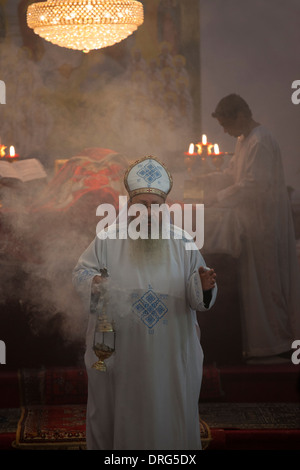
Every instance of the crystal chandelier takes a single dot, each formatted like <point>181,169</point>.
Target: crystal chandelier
<point>85,24</point>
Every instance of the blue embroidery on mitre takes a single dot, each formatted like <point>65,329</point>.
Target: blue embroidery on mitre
<point>150,308</point>
<point>150,172</point>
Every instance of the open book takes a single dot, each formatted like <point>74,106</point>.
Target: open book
<point>24,170</point>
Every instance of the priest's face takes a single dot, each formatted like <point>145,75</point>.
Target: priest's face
<point>151,249</point>
<point>234,127</point>
<point>148,201</point>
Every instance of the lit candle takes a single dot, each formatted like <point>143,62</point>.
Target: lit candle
<point>2,150</point>
<point>204,148</point>
<point>216,149</point>
<point>191,151</point>
<point>12,154</point>
<point>191,148</point>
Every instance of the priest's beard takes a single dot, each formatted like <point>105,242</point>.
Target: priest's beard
<point>154,251</point>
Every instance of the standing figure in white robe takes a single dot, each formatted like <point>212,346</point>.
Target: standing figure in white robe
<point>148,397</point>
<point>254,187</point>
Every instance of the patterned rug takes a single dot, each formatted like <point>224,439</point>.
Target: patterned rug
<point>52,427</point>
<point>54,407</point>
<point>251,415</point>
<point>63,427</point>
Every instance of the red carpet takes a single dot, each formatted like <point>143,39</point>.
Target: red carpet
<point>241,408</point>
<point>56,427</point>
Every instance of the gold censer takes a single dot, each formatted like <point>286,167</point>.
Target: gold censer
<point>104,342</point>
<point>104,335</point>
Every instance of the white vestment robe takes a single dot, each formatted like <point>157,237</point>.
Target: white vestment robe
<point>148,397</point>
<point>254,187</point>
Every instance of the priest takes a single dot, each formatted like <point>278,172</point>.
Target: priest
<point>253,186</point>
<point>147,399</point>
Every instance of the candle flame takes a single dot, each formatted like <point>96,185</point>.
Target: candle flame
<point>2,150</point>
<point>191,148</point>
<point>216,149</point>
<point>12,152</point>
<point>204,139</point>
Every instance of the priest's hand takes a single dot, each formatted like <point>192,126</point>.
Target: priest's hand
<point>208,278</point>
<point>97,284</point>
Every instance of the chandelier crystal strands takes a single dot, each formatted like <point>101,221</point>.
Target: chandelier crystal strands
<point>85,24</point>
